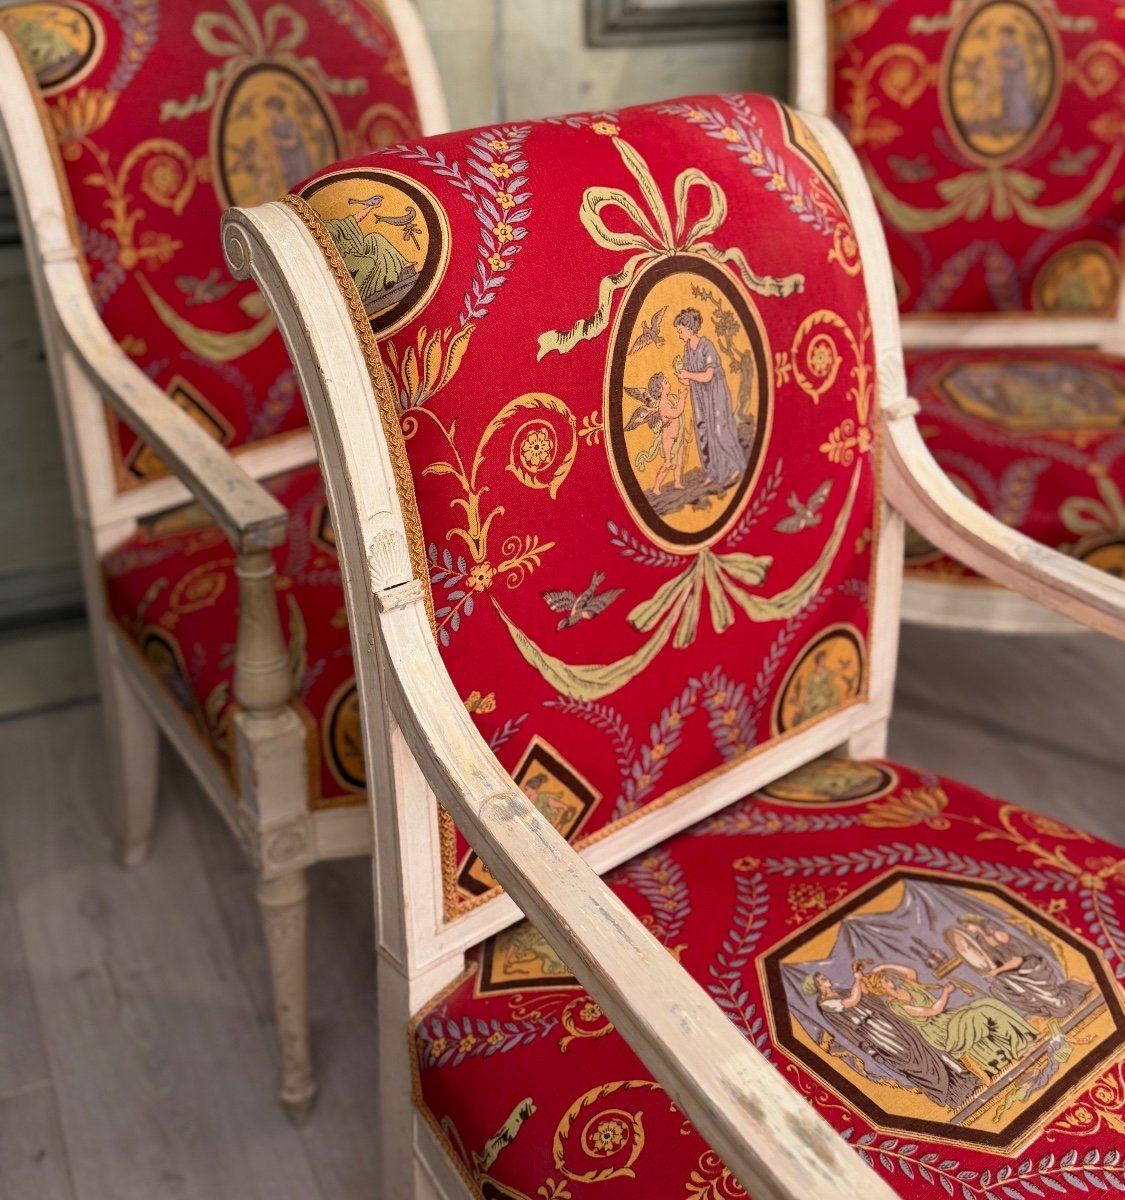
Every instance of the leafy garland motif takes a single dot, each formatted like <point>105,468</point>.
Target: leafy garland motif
<point>1027,1179</point>
<point>494,179</point>
<point>742,133</point>
<point>752,898</point>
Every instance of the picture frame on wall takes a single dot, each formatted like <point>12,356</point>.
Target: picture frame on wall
<point>653,22</point>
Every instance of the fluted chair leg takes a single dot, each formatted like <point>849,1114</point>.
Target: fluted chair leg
<point>134,751</point>
<point>283,902</point>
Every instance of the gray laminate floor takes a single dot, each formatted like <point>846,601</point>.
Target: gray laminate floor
<point>136,1056</point>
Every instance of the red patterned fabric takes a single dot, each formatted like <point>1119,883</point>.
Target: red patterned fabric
<point>823,916</point>
<point>172,590</point>
<point>991,132</point>
<point>165,115</point>
<point>631,590</point>
<point>1037,438</point>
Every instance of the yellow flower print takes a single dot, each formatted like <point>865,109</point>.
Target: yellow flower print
<point>536,449</point>
<point>606,128</point>
<point>503,231</point>
<point>590,1012</point>
<point>697,115</point>
<point>466,1043</point>
<point>731,135</point>
<point>496,262</point>
<point>505,199</point>
<point>777,181</point>
<point>500,170</point>
<point>610,1136</point>
<point>498,144</point>
<point>798,202</point>
<point>494,1039</point>
<point>438,1047</point>
<point>480,576</point>
<point>756,158</point>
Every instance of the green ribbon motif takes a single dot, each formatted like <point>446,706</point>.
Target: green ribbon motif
<point>653,236</point>
<point>240,41</point>
<point>672,612</point>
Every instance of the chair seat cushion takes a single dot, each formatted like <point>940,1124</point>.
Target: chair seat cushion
<point>932,968</point>
<point>172,591</point>
<point>1036,437</point>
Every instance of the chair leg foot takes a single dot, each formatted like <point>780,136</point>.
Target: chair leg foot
<point>134,740</point>
<point>283,903</point>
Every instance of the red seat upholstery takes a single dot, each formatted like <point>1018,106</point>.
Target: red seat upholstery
<point>821,915</point>
<point>170,587</point>
<point>1036,437</point>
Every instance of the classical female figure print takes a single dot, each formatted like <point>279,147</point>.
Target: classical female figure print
<point>293,156</point>
<point>925,999</point>
<point>1021,972</point>
<point>1017,112</point>
<point>1000,78</point>
<point>987,1033</point>
<point>720,452</point>
<point>392,235</point>
<point>863,1018</point>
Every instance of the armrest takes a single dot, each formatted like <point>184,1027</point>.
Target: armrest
<point>920,490</point>
<point>766,1132</point>
<point>249,516</point>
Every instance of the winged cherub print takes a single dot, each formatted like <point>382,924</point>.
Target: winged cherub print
<point>663,411</point>
<point>581,607</point>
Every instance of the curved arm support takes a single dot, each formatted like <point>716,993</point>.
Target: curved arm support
<point>767,1134</point>
<point>249,516</point>
<point>942,514</point>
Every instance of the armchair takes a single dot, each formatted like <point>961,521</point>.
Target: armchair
<point>210,570</point>
<point>990,133</point>
<point>623,580</point>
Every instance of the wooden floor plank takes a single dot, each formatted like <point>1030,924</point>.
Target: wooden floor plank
<point>23,1064</point>
<point>164,1082</point>
<point>33,1159</point>
<point>337,1135</point>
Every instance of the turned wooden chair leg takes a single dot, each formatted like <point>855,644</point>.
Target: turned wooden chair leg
<point>283,902</point>
<point>134,751</point>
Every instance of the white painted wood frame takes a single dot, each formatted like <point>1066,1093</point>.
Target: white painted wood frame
<point>268,809</point>
<point>422,744</point>
<point>972,604</point>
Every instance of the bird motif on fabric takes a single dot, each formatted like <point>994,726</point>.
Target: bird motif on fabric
<point>204,291</point>
<point>806,515</point>
<point>647,414</point>
<point>650,332</point>
<point>581,607</point>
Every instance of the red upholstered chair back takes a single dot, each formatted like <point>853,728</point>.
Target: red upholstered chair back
<point>627,373</point>
<point>164,115</point>
<point>992,135</point>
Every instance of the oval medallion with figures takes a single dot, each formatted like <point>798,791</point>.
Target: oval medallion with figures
<point>827,675</point>
<point>1000,80</point>
<point>1081,278</point>
<point>61,42</point>
<point>688,401</point>
<point>832,781</point>
<point>271,131</point>
<point>392,235</point>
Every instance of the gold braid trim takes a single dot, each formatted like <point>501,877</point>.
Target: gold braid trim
<point>404,485</point>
